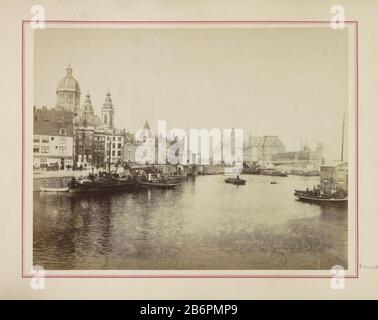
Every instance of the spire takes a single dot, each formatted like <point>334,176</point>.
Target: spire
<point>88,102</point>
<point>108,101</point>
<point>69,70</point>
<point>107,112</point>
<point>146,125</point>
<point>306,147</point>
<point>86,117</point>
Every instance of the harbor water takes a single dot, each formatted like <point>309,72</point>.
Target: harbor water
<point>203,224</point>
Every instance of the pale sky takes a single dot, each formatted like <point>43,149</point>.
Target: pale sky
<point>291,82</point>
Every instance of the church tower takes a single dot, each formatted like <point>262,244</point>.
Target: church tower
<point>87,116</point>
<point>107,112</point>
<point>68,93</point>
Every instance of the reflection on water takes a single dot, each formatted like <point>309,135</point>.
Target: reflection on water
<point>204,224</point>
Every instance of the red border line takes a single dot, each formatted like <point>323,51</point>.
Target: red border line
<point>189,276</point>
<point>357,152</point>
<point>23,142</point>
<point>193,21</point>
<point>231,276</point>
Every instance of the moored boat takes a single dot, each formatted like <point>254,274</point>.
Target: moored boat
<point>158,184</point>
<point>320,198</point>
<point>278,173</point>
<point>251,170</point>
<point>273,172</point>
<point>104,181</point>
<point>43,189</point>
<point>102,184</point>
<point>236,181</point>
<point>176,178</point>
<point>311,173</point>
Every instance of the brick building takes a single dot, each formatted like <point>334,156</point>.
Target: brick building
<point>52,137</point>
<point>302,160</point>
<point>262,149</point>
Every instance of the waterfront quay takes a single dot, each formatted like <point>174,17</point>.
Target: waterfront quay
<point>61,178</point>
<point>56,179</point>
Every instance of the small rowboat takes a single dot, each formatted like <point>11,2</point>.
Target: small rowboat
<point>235,181</point>
<point>42,189</point>
<point>161,185</point>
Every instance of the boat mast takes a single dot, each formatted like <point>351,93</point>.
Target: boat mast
<point>342,140</point>
<point>110,152</point>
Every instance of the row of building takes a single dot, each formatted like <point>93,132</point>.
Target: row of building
<point>71,134</point>
<point>270,151</point>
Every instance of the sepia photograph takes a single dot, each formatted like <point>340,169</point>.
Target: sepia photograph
<point>211,152</point>
<point>197,147</point>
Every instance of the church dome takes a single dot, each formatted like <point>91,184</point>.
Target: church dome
<point>68,83</point>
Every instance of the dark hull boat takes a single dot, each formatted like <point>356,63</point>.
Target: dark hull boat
<point>309,196</point>
<point>43,189</point>
<point>251,171</point>
<point>236,181</point>
<point>176,178</point>
<point>249,168</point>
<point>160,185</point>
<point>275,173</point>
<point>313,173</point>
<point>102,184</point>
<point>326,193</point>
